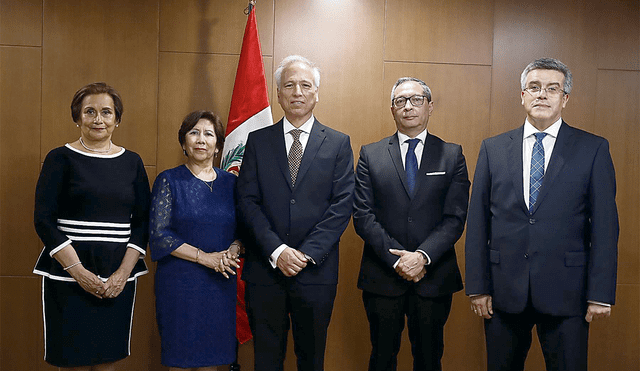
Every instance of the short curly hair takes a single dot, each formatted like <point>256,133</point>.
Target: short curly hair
<point>95,89</point>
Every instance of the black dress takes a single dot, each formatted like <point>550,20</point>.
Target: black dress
<point>100,205</point>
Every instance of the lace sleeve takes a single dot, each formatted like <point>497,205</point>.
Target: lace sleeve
<point>162,239</point>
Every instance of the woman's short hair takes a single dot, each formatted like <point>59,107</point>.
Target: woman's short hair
<point>192,119</point>
<point>94,89</point>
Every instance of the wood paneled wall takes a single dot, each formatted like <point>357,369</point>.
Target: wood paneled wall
<point>170,57</point>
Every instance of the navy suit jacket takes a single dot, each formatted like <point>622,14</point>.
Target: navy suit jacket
<point>387,217</point>
<point>309,217</point>
<point>564,252</point>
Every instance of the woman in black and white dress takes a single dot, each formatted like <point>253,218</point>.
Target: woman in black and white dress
<point>91,213</point>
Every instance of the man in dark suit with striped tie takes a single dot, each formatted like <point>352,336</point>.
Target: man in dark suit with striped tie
<point>295,193</point>
<point>541,245</point>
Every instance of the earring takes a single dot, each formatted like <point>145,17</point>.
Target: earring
<point>185,152</point>
<point>77,125</point>
<point>117,125</point>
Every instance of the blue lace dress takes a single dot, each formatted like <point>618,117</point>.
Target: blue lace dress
<point>195,306</point>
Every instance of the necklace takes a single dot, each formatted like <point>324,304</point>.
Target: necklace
<point>210,186</point>
<point>95,150</point>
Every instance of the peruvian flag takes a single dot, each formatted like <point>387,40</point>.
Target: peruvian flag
<point>250,108</point>
<point>249,111</point>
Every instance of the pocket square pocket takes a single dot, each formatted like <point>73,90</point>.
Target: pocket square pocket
<point>437,173</point>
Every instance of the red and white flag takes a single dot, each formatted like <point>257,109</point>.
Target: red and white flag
<point>249,111</point>
<point>250,108</point>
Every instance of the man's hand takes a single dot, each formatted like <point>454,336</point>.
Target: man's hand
<point>411,264</point>
<point>291,262</point>
<point>595,311</point>
<point>482,305</point>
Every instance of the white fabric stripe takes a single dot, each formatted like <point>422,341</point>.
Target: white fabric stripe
<point>141,251</point>
<point>96,231</point>
<point>62,246</point>
<point>44,322</point>
<point>100,239</point>
<point>70,279</point>
<point>94,224</point>
<point>133,305</point>
<point>95,154</point>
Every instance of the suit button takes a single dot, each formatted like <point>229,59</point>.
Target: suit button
<point>293,202</point>
<point>410,219</point>
<point>526,256</point>
<point>532,221</point>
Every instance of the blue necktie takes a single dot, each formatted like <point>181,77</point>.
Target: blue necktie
<point>411,164</point>
<point>537,170</point>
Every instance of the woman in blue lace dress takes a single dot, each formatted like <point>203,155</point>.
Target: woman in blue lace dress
<point>193,239</point>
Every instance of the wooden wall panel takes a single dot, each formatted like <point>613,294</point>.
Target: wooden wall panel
<point>112,41</point>
<point>614,343</point>
<point>213,26</point>
<point>188,82</point>
<point>168,58</point>
<point>22,336</point>
<point>618,120</point>
<point>527,31</point>
<point>19,157</point>
<point>616,49</point>
<point>344,39</point>
<point>21,22</point>
<point>457,31</point>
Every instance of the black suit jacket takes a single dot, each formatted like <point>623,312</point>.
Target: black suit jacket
<point>387,217</point>
<point>309,217</point>
<point>565,250</point>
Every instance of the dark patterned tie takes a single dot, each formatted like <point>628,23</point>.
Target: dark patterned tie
<point>295,155</point>
<point>537,170</point>
<point>411,164</point>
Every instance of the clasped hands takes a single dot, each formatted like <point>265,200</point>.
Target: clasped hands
<point>92,284</point>
<point>224,261</point>
<point>411,265</point>
<point>291,261</point>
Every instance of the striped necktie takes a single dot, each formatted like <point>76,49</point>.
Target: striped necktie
<point>537,170</point>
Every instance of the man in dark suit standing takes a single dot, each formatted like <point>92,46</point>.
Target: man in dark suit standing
<point>541,245</point>
<point>411,198</point>
<point>295,192</point>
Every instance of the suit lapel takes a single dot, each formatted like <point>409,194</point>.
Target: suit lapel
<point>316,137</point>
<point>514,153</point>
<point>558,156</point>
<point>431,155</point>
<point>396,158</point>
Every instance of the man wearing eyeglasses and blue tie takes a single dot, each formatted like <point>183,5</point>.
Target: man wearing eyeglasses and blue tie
<point>541,245</point>
<point>411,197</point>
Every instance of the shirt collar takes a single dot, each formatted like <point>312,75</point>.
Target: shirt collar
<point>306,127</point>
<point>403,137</point>
<point>552,130</point>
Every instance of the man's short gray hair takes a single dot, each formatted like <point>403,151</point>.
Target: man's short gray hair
<point>293,59</point>
<point>425,89</point>
<point>548,64</point>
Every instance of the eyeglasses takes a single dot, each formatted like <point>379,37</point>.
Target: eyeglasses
<point>550,90</point>
<point>416,101</point>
